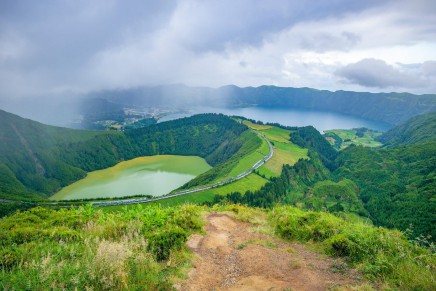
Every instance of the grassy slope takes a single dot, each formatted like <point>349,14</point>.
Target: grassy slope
<point>418,129</point>
<point>285,152</point>
<point>368,140</point>
<point>249,160</point>
<point>143,247</point>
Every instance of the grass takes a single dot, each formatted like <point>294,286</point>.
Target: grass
<point>285,152</point>
<point>382,255</point>
<point>154,175</point>
<point>255,126</point>
<point>250,183</point>
<point>142,247</point>
<point>249,160</point>
<point>349,137</point>
<point>277,134</point>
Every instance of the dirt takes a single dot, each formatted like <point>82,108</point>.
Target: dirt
<point>232,256</point>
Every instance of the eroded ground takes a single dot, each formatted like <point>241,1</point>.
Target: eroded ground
<point>233,256</point>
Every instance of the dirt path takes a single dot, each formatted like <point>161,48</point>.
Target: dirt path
<point>233,257</point>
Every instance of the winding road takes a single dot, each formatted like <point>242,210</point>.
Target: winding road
<point>257,165</point>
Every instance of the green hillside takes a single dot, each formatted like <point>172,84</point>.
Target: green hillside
<point>328,200</point>
<point>393,187</point>
<point>143,248</point>
<point>36,160</point>
<point>418,129</point>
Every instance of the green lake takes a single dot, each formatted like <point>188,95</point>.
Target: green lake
<point>155,175</point>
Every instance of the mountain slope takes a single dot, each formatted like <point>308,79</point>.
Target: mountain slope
<point>394,187</point>
<point>391,108</point>
<point>418,129</point>
<point>36,159</point>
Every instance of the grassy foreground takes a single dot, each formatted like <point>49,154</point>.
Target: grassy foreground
<point>143,247</point>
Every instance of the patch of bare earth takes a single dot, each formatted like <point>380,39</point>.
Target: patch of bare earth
<point>233,257</point>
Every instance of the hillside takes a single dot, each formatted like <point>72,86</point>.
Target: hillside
<point>150,248</point>
<point>392,108</point>
<point>336,198</point>
<point>393,187</point>
<point>418,129</point>
<point>36,159</point>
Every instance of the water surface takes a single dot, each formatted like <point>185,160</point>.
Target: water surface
<point>321,120</point>
<point>155,175</point>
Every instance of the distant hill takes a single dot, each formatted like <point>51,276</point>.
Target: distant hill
<point>417,129</point>
<point>36,160</point>
<point>392,108</point>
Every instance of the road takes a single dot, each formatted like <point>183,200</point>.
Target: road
<point>256,166</point>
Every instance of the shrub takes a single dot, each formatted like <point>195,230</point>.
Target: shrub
<point>161,244</point>
<point>187,217</point>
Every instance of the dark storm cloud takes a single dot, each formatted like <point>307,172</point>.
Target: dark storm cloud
<point>61,35</point>
<point>214,25</point>
<point>61,48</point>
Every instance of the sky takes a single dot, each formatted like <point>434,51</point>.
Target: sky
<point>64,47</point>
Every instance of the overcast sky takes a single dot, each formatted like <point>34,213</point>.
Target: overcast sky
<point>61,47</point>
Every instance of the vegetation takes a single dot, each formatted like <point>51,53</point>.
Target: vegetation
<point>285,152</point>
<point>143,247</point>
<point>271,193</point>
<point>252,149</point>
<point>141,123</point>
<point>418,129</point>
<point>140,248</point>
<point>342,138</point>
<point>397,186</point>
<point>36,160</point>
<point>393,187</point>
<point>386,255</point>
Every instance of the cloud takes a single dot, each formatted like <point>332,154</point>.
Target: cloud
<point>379,74</point>
<point>52,48</point>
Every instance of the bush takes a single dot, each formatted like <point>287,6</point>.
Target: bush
<point>162,243</point>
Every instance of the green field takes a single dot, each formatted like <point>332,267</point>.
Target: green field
<point>249,160</point>
<point>349,136</point>
<point>285,152</point>
<point>255,126</point>
<point>154,175</point>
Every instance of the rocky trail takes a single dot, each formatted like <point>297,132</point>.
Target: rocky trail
<point>232,255</point>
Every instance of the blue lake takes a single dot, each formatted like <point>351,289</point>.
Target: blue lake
<point>321,120</point>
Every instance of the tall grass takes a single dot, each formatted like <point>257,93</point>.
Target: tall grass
<point>384,255</point>
<point>142,248</point>
<point>87,249</point>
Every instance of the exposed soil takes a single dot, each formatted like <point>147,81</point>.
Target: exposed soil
<point>231,256</point>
